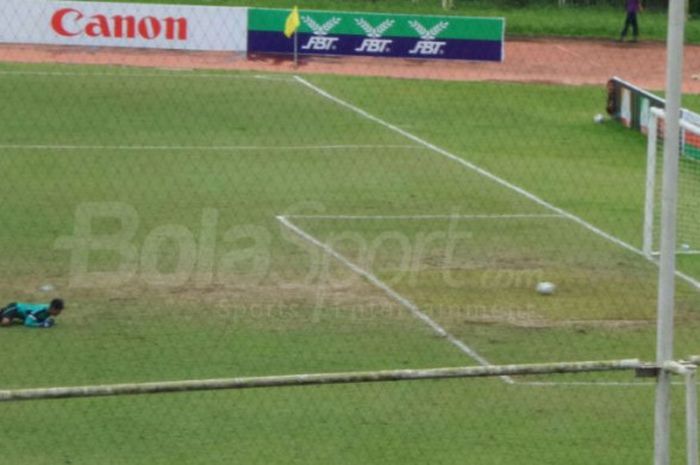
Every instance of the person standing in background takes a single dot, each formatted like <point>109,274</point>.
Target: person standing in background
<point>632,7</point>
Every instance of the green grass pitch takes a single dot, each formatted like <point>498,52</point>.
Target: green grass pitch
<point>194,170</point>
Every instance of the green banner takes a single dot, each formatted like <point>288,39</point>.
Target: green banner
<point>448,27</point>
<point>376,34</point>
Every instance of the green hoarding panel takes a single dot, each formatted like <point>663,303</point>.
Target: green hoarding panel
<point>393,25</point>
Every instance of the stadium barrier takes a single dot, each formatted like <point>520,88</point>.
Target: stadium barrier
<point>132,25</point>
<point>631,105</point>
<point>242,29</point>
<point>379,35</point>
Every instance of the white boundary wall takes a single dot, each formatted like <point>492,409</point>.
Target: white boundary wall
<point>177,27</point>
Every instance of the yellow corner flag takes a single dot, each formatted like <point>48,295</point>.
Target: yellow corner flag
<point>292,23</point>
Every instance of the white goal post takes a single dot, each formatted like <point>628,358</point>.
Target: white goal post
<point>688,209</point>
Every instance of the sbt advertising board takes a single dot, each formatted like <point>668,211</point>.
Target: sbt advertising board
<point>372,34</point>
<point>177,27</point>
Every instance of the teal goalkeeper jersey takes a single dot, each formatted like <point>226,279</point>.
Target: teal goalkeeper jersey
<point>32,314</point>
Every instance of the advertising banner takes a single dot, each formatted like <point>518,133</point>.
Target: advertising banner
<point>631,105</point>
<point>372,34</point>
<point>178,27</point>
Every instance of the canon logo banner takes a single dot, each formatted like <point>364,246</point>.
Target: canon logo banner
<point>97,24</point>
<point>70,22</point>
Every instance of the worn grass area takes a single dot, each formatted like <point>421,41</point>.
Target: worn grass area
<point>149,199</point>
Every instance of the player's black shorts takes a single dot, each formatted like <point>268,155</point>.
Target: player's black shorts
<point>9,312</point>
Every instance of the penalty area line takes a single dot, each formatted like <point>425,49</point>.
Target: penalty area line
<point>584,384</point>
<point>395,296</point>
<point>487,174</point>
<point>285,220</point>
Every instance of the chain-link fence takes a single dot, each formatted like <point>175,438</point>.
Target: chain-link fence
<point>408,193</point>
<point>652,5</point>
<point>655,4</point>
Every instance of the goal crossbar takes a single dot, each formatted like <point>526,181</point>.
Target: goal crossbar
<point>317,379</point>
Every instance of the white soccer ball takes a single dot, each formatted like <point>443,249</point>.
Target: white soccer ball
<point>546,288</point>
<point>46,288</point>
<point>599,118</point>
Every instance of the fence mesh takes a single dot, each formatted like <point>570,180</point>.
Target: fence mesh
<point>215,215</point>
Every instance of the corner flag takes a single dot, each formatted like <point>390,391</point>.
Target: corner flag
<point>292,23</point>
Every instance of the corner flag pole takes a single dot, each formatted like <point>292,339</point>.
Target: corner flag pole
<point>296,48</point>
<point>291,28</point>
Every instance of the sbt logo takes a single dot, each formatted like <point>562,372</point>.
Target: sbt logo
<point>319,41</point>
<point>428,46</point>
<point>373,43</point>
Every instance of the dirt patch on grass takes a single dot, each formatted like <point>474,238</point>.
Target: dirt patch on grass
<point>239,291</point>
<point>534,321</point>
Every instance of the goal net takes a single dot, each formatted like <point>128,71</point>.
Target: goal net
<point>688,205</point>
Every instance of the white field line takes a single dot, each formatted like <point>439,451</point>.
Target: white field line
<point>285,220</point>
<point>169,74</point>
<point>514,216</point>
<point>585,383</point>
<point>471,166</point>
<point>404,302</point>
<point>487,174</point>
<point>221,148</point>
<point>591,383</point>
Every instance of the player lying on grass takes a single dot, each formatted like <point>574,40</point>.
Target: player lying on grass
<point>31,315</point>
